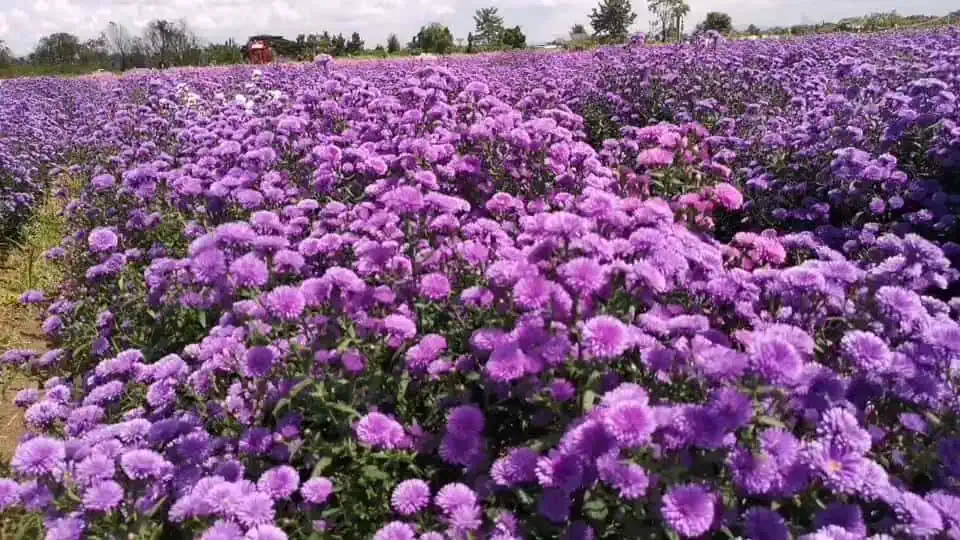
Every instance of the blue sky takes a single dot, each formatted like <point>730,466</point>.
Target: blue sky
<point>22,22</point>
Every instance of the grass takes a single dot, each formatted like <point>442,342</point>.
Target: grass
<point>23,267</point>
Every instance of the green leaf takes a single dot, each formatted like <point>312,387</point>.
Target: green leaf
<point>324,462</point>
<point>770,421</point>
<point>344,408</point>
<point>596,509</point>
<point>589,397</point>
<point>373,473</point>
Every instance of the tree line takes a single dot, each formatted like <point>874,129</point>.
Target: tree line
<point>165,43</point>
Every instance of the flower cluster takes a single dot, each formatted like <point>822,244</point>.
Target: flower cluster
<point>402,300</point>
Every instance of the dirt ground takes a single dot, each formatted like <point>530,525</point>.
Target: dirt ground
<point>19,328</point>
<point>24,267</point>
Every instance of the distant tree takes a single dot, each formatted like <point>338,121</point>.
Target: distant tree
<point>324,43</point>
<point>93,52</point>
<point>577,29</point>
<point>433,38</point>
<point>338,45</point>
<point>380,51</point>
<point>678,12</point>
<point>393,44</point>
<point>6,55</point>
<point>59,48</point>
<point>753,30</point>
<point>118,42</point>
<point>159,37</point>
<point>668,17</point>
<point>715,20</point>
<point>355,45</point>
<point>224,53</point>
<point>513,38</point>
<point>489,26</point>
<point>470,45</point>
<point>611,19</point>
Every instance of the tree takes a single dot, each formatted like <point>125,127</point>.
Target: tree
<point>59,48</point>
<point>433,38</point>
<point>118,42</point>
<point>159,37</point>
<point>577,29</point>
<point>338,45</point>
<point>6,55</point>
<point>470,46</point>
<point>717,21</point>
<point>93,52</point>
<point>513,38</point>
<point>489,27</point>
<point>393,44</point>
<point>753,30</point>
<point>678,11</point>
<point>611,19</point>
<point>355,45</point>
<point>221,54</point>
<point>668,17</point>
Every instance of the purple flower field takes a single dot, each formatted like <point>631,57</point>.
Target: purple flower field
<point>665,292</point>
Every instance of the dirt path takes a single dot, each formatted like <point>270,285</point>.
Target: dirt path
<point>21,269</point>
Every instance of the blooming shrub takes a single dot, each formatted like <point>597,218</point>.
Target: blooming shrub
<point>327,301</point>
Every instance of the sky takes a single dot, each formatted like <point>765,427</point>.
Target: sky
<point>23,22</point>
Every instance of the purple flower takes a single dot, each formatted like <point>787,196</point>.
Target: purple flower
<point>605,337</point>
<point>258,361</point>
<point>31,297</point>
<point>435,286</point>
<point>410,497</point>
<point>866,351</point>
<point>765,524</point>
<point>102,240</point>
<point>317,490</point>
<point>9,493</point>
<point>847,516</point>
<point>465,421</point>
<point>728,196</point>
<point>776,360</point>
<point>399,329</point>
<point>254,509</point>
<point>103,496</point>
<point>209,266</point>
<point>655,158</point>
<point>562,390</point>
<point>378,430</point>
<point>918,518</point>
<point>507,362</point>
<point>38,456</point>
<point>688,509</point>
<point>265,532</point>
<point>249,271</point>
<point>222,530</point>
<point>285,303</point>
<point>396,530</point>
<point>519,466</point>
<point>66,528</point>
<point>454,495</point>
<point>631,423</point>
<point>279,482</point>
<point>144,464</point>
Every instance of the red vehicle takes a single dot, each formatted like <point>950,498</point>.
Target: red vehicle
<point>260,52</point>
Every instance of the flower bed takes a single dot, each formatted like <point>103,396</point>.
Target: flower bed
<point>344,301</point>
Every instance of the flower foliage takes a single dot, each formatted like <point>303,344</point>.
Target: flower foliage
<point>401,300</point>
